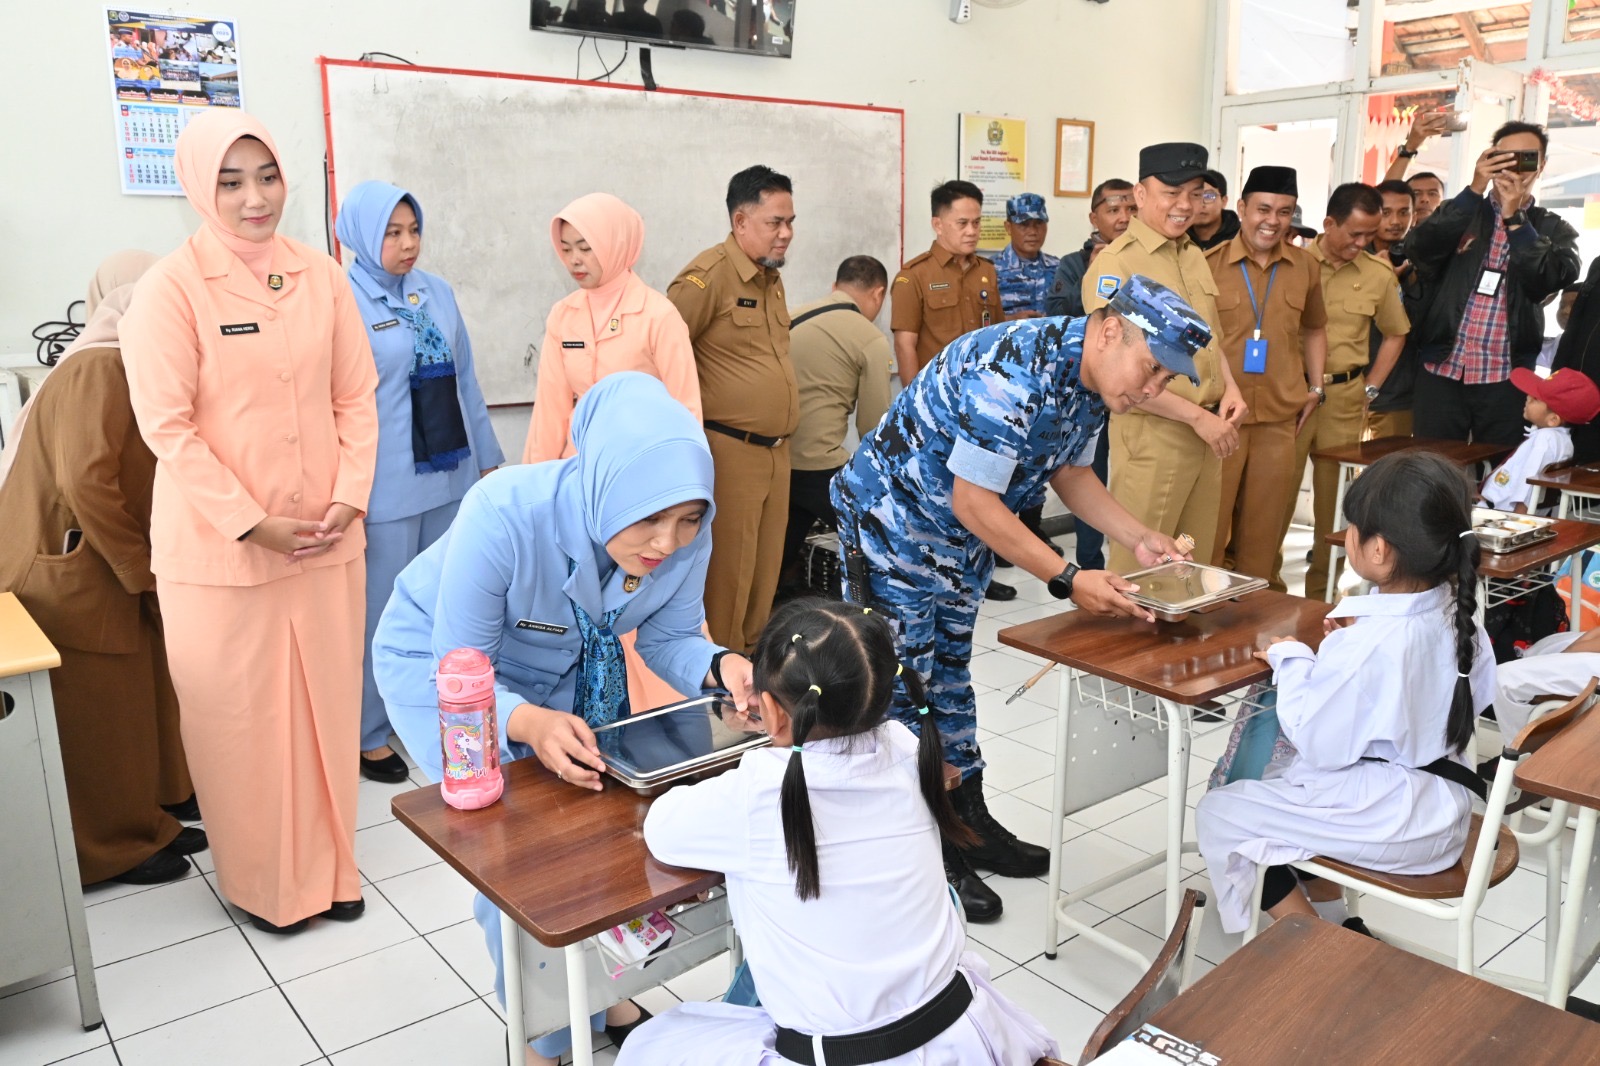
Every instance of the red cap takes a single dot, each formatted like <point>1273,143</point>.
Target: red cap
<point>1568,393</point>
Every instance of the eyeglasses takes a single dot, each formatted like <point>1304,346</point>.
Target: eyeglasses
<point>1210,197</point>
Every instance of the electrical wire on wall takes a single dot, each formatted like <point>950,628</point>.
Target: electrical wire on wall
<point>327,192</point>
<point>54,337</point>
<point>577,74</point>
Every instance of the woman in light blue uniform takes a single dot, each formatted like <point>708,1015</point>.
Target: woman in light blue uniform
<point>544,567</point>
<point>434,437</point>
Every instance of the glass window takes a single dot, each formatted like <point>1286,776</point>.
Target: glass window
<point>1496,33</point>
<point>1287,46</point>
<point>1583,20</point>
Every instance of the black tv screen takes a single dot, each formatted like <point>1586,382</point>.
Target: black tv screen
<point>758,27</point>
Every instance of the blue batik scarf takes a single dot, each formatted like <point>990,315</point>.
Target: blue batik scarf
<point>602,696</point>
<point>438,430</point>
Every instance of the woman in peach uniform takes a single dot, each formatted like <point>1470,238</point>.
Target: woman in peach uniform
<point>252,382</point>
<point>613,322</point>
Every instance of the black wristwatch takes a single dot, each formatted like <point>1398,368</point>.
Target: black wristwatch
<point>716,666</point>
<point>1060,586</point>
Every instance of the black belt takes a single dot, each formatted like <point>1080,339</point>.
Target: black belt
<point>748,438</point>
<point>1340,379</point>
<point>887,1041</point>
<point>1450,770</point>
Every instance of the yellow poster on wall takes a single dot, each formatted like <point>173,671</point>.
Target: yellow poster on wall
<point>993,155</point>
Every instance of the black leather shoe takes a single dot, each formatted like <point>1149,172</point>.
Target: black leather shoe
<point>982,903</point>
<point>187,811</point>
<point>619,1033</point>
<point>998,848</point>
<point>1001,592</point>
<point>347,911</point>
<point>278,930</point>
<point>190,839</point>
<point>391,769</point>
<point>158,869</point>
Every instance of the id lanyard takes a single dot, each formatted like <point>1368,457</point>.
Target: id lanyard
<point>1255,350</point>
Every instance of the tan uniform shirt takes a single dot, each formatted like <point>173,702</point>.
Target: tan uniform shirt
<point>739,326</point>
<point>1359,294</point>
<point>1180,265</point>
<point>938,300</point>
<point>842,362</point>
<point>1293,305</point>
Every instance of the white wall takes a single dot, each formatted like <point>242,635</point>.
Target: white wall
<point>1135,67</point>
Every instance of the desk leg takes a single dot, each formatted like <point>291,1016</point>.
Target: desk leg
<point>578,1006</point>
<point>1575,590</point>
<point>511,966</point>
<point>1058,808</point>
<point>1335,553</point>
<point>1566,504</point>
<point>1177,800</point>
<point>1572,911</point>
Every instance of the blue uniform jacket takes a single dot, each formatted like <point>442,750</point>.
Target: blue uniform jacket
<point>518,553</point>
<point>398,491</point>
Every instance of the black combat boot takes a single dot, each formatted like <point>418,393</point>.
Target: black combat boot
<point>998,848</point>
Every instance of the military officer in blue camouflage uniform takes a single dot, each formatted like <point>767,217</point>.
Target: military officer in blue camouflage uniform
<point>1022,270</point>
<point>934,492</point>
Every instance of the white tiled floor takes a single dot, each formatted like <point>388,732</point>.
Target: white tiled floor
<point>181,982</point>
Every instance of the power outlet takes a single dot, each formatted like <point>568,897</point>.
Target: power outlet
<point>960,11</point>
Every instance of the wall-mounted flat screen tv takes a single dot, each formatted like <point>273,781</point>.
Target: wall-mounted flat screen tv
<point>757,27</point>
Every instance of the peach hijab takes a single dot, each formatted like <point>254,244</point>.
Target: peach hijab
<point>198,158</point>
<point>616,233</point>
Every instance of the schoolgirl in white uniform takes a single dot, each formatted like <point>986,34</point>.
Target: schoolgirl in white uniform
<point>1374,716</point>
<point>830,844</point>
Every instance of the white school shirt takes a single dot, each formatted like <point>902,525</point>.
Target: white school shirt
<point>1508,485</point>
<point>1547,668</point>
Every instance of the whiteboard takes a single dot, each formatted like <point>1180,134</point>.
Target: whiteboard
<point>491,157</point>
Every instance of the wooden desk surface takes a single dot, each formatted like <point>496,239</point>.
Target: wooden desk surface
<point>23,648</point>
<point>1368,452</point>
<point>1306,991</point>
<point>563,862</point>
<point>1569,766</point>
<point>1583,480</point>
<point>1188,662</point>
<point>1571,536</point>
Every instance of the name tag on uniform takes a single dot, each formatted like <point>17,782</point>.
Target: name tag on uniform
<point>1255,356</point>
<point>541,627</point>
<point>376,326</point>
<point>934,286</point>
<point>240,327</point>
<point>572,344</point>
<point>745,301</point>
<point>1489,282</point>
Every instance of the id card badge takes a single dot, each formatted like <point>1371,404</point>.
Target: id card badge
<point>1255,356</point>
<point>1489,282</point>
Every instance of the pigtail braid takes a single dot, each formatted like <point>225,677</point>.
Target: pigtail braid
<point>794,801</point>
<point>1460,727</point>
<point>930,766</point>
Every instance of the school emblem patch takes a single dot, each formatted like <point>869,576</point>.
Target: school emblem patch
<point>1106,285</point>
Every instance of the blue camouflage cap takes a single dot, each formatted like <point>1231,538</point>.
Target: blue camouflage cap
<point>1173,329</point>
<point>1026,207</point>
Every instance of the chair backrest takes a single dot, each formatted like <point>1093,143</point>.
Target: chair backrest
<point>1160,984</point>
<point>1542,729</point>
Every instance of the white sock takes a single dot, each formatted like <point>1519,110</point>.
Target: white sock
<point>1333,911</point>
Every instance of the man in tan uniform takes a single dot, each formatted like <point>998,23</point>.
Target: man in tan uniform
<point>731,297</point>
<point>946,292</point>
<point>1360,292</point>
<point>1269,297</point>
<point>842,363</point>
<point>1166,454</point>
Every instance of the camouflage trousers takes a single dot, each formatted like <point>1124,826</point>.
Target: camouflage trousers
<point>929,586</point>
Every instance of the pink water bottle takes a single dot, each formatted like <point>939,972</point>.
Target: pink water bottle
<point>468,732</point>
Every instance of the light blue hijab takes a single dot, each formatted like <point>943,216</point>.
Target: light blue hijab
<point>639,451</point>
<point>363,217</point>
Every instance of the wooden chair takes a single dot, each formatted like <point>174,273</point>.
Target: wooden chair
<point>1488,858</point>
<point>1161,983</point>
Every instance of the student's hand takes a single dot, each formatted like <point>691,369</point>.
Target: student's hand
<point>1220,433</point>
<point>1331,624</point>
<point>563,742</point>
<point>1104,593</point>
<point>287,536</point>
<point>1233,408</point>
<point>1262,653</point>
<point>737,678</point>
<point>1307,409</point>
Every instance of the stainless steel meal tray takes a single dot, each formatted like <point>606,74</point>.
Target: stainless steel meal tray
<point>647,754</point>
<point>1176,590</point>
<point>1500,532</point>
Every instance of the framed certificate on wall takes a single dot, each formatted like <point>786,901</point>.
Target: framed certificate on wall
<point>1074,157</point>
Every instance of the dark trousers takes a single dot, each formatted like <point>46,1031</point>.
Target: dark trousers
<point>1484,414</point>
<point>1091,553</point>
<point>808,502</point>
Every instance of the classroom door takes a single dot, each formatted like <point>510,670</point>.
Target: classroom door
<point>1313,136</point>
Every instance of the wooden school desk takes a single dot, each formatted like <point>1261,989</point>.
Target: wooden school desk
<point>1505,577</point>
<point>1306,991</point>
<point>1352,457</point>
<point>564,864</point>
<point>1181,665</point>
<point>1579,487</point>
<point>42,921</point>
<point>1568,768</point>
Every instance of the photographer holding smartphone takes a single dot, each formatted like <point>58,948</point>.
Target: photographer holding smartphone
<point>1496,257</point>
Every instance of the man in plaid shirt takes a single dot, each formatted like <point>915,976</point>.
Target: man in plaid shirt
<point>1495,258</point>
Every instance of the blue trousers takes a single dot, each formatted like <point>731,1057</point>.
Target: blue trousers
<point>1091,553</point>
<point>390,547</point>
<point>930,588</point>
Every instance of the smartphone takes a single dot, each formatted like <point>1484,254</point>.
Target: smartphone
<point>69,542</point>
<point>1455,121</point>
<point>1527,160</point>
